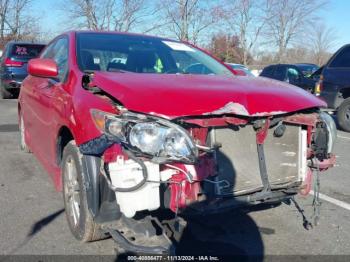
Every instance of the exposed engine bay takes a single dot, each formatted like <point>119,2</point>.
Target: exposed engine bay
<point>209,163</point>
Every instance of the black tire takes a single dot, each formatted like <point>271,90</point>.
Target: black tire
<point>82,226</point>
<point>22,141</point>
<point>4,93</point>
<point>343,115</point>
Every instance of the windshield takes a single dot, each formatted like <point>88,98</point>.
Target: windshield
<point>307,70</point>
<point>26,51</point>
<point>142,54</point>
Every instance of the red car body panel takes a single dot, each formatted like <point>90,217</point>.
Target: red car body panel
<point>185,95</point>
<point>55,107</point>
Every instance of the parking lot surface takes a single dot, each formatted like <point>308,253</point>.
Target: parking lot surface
<point>32,219</point>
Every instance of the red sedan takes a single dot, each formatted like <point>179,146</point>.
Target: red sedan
<point>126,127</point>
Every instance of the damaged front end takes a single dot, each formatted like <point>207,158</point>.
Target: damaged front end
<point>209,163</point>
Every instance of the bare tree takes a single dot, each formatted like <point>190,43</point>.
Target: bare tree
<point>188,19</point>
<point>119,15</point>
<point>289,20</point>
<point>16,21</point>
<point>247,19</point>
<point>130,14</point>
<point>323,39</point>
<point>4,6</point>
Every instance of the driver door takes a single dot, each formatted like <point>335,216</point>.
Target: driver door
<point>49,103</point>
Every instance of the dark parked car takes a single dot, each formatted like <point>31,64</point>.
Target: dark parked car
<point>316,75</point>
<point>334,86</point>
<point>295,74</point>
<point>13,67</point>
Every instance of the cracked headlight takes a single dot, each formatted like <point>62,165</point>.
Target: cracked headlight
<point>162,141</point>
<point>158,138</point>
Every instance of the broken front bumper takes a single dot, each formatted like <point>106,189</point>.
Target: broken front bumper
<point>223,204</point>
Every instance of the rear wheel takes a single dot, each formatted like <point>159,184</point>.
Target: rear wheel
<point>343,115</point>
<point>23,144</point>
<point>79,218</point>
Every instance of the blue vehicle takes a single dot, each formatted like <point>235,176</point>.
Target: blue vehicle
<point>13,66</point>
<point>334,86</point>
<point>295,74</point>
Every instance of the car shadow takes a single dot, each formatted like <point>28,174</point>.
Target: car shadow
<point>228,236</point>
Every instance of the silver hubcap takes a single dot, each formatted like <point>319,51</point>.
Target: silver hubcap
<point>72,191</point>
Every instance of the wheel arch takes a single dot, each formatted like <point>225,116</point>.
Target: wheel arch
<point>64,136</point>
<point>345,92</point>
<point>100,199</point>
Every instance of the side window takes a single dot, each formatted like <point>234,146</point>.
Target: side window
<point>342,59</point>
<point>292,74</point>
<point>60,55</point>
<point>268,71</point>
<point>58,51</point>
<point>47,53</point>
<point>280,73</point>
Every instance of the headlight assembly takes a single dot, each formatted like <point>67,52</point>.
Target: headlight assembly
<point>162,141</point>
<point>157,138</point>
<point>148,137</point>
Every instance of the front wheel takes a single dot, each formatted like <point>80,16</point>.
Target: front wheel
<point>79,218</point>
<point>343,115</point>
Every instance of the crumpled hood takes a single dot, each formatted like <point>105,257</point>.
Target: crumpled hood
<point>174,96</point>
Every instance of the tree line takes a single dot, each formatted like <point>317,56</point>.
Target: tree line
<point>240,31</point>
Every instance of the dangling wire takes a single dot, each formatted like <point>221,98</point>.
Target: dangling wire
<point>306,223</point>
<point>316,203</point>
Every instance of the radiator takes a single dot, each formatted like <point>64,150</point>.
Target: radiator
<point>238,161</point>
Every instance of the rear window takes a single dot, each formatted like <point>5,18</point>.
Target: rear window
<point>267,71</point>
<point>342,59</point>
<point>26,51</point>
<point>280,73</point>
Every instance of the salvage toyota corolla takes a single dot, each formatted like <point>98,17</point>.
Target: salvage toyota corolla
<point>126,127</point>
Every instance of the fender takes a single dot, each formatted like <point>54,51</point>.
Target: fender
<point>100,199</point>
<point>91,167</point>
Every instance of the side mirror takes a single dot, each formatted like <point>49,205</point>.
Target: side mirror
<point>42,67</point>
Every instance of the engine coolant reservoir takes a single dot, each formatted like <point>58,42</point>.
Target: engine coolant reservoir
<point>128,173</point>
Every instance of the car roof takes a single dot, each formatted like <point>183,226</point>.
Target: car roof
<point>305,64</point>
<point>295,64</point>
<point>279,65</point>
<point>24,43</point>
<point>122,33</point>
